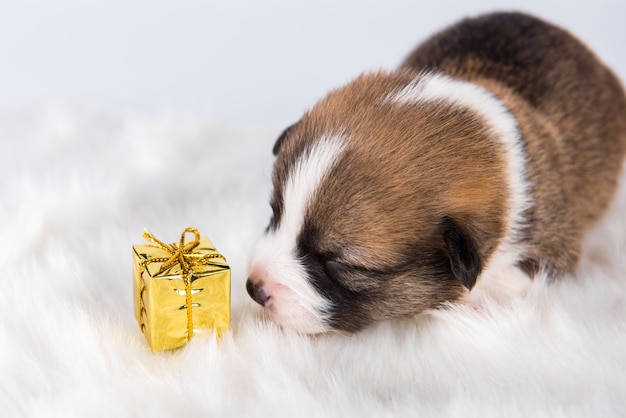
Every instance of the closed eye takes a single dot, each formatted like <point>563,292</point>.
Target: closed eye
<point>337,269</point>
<point>353,278</point>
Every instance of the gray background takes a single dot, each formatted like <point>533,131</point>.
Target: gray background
<point>243,62</point>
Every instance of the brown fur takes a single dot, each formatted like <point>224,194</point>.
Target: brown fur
<point>390,210</point>
<point>417,204</point>
<point>572,113</point>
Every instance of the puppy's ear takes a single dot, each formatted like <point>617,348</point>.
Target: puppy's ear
<point>281,138</point>
<point>462,251</point>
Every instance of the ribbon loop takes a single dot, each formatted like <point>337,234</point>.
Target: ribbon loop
<point>181,253</point>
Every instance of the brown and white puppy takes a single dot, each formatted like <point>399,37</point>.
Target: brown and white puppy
<point>487,154</point>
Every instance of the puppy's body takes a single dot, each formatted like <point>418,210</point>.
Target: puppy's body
<point>494,146</point>
<point>571,114</point>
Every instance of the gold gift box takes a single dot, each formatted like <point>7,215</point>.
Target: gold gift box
<point>180,290</point>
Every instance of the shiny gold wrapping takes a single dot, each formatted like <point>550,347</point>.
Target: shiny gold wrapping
<point>161,297</point>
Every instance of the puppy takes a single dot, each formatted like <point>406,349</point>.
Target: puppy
<point>486,155</point>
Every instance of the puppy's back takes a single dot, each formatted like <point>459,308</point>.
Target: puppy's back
<point>571,112</point>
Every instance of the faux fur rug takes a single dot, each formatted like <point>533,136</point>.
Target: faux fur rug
<point>79,185</point>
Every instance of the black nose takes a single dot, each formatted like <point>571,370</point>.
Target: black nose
<point>255,290</point>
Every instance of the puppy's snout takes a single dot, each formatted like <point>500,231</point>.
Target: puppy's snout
<point>256,292</point>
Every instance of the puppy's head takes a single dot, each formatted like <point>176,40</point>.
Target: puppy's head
<point>386,202</point>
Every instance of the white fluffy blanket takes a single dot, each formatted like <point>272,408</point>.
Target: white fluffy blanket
<point>79,185</point>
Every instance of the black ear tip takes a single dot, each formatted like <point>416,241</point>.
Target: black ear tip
<point>275,148</point>
<point>467,278</point>
<point>465,261</point>
<point>281,139</point>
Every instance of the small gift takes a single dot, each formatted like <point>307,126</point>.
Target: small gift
<point>180,289</point>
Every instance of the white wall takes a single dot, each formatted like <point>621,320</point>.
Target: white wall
<point>245,62</point>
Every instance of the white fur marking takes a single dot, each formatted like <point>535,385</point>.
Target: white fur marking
<point>297,304</point>
<point>304,180</point>
<point>439,87</point>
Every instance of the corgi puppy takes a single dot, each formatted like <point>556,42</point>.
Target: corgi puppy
<point>480,162</point>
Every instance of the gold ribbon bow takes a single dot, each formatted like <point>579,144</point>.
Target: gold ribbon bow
<point>182,253</point>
